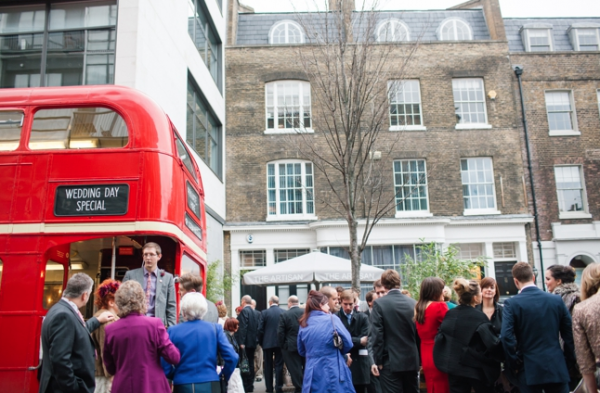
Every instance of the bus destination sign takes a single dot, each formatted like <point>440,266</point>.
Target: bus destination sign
<point>92,200</point>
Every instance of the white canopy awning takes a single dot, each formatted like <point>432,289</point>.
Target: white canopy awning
<point>312,267</point>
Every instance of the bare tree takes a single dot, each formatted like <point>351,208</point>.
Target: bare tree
<point>349,72</point>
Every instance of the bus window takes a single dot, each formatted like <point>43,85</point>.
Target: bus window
<point>188,265</point>
<point>53,284</point>
<point>77,128</point>
<point>185,157</point>
<point>11,123</point>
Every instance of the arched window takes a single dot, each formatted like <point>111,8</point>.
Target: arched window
<point>454,30</point>
<point>286,32</point>
<point>290,190</point>
<point>392,30</point>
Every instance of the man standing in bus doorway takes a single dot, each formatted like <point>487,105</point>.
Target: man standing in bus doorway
<point>158,285</point>
<point>68,363</point>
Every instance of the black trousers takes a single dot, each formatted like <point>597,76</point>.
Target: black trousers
<point>272,357</point>
<point>248,379</point>
<point>374,386</point>
<point>360,388</point>
<point>464,385</point>
<point>546,388</point>
<point>295,365</point>
<point>398,382</point>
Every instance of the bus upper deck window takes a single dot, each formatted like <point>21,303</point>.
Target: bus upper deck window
<point>77,128</point>
<point>53,284</point>
<point>11,123</point>
<point>185,157</point>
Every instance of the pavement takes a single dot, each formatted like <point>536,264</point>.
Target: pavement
<point>259,387</point>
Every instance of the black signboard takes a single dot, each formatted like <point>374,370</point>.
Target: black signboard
<point>193,200</point>
<point>92,200</point>
<point>195,228</point>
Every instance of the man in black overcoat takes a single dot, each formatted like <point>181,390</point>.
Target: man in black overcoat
<point>393,338</point>
<point>270,345</point>
<point>68,363</point>
<point>287,336</point>
<point>357,324</point>
<point>247,338</point>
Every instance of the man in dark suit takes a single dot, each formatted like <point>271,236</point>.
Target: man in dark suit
<point>158,285</point>
<point>68,363</point>
<point>393,338</point>
<point>270,345</point>
<point>357,324</point>
<point>287,337</point>
<point>247,338</point>
<point>531,323</point>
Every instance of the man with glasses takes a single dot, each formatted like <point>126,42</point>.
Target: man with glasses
<point>158,286</point>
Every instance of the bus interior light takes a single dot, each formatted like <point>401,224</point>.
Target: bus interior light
<point>43,145</point>
<point>83,143</point>
<point>9,146</point>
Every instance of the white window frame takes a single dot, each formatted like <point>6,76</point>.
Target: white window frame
<point>305,189</point>
<point>577,28</point>
<point>395,23</point>
<point>412,213</point>
<point>563,215</point>
<point>472,126</point>
<point>252,253</point>
<point>479,211</point>
<point>538,27</point>
<point>302,86</point>
<point>393,87</point>
<point>454,21</point>
<point>287,25</point>
<point>572,132</point>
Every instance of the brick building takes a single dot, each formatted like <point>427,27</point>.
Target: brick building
<point>560,63</point>
<point>456,118</point>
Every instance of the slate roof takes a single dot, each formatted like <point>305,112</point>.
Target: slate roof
<point>560,37</point>
<point>253,28</point>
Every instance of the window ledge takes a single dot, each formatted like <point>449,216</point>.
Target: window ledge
<point>271,131</point>
<point>292,217</point>
<point>575,215</point>
<point>481,212</point>
<point>410,214</point>
<point>408,128</point>
<point>564,133</point>
<point>473,126</point>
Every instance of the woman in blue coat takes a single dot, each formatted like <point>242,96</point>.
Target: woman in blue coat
<point>325,369</point>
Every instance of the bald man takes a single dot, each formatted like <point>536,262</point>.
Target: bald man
<point>271,350</point>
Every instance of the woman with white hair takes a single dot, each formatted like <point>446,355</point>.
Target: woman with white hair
<point>199,343</point>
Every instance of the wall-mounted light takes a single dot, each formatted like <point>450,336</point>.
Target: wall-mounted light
<point>492,94</point>
<point>375,155</point>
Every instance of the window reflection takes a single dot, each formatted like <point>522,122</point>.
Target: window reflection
<point>77,128</point>
<point>53,284</point>
<point>11,123</point>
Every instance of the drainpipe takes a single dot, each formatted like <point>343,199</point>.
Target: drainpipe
<point>519,71</point>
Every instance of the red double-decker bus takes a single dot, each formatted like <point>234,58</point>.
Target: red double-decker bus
<point>88,175</point>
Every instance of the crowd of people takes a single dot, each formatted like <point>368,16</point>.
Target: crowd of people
<point>458,337</point>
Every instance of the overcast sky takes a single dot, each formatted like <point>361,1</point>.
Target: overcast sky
<point>510,8</point>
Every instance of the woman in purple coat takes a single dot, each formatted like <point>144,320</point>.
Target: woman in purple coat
<point>134,344</point>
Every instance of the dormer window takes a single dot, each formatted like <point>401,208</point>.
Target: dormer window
<point>585,36</point>
<point>392,30</point>
<point>455,29</point>
<point>537,37</point>
<point>286,32</point>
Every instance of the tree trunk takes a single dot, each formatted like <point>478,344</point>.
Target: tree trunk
<point>355,255</point>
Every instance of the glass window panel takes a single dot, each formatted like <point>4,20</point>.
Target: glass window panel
<point>559,109</point>
<point>410,178</point>
<point>469,100</point>
<point>77,15</point>
<point>20,20</point>
<point>255,258</point>
<point>11,124</point>
<point>53,284</point>
<point>569,186</point>
<point>77,128</point>
<point>478,183</point>
<point>20,60</point>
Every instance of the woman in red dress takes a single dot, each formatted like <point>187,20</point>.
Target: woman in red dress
<point>429,313</point>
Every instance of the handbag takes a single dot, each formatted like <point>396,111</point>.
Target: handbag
<point>222,383</point>
<point>244,365</point>
<point>337,340</point>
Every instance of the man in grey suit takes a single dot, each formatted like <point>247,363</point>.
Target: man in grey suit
<point>68,363</point>
<point>158,285</point>
<point>190,282</point>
